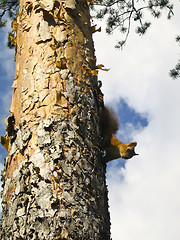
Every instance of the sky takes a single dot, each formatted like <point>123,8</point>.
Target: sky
<point>144,194</point>
<point>7,67</point>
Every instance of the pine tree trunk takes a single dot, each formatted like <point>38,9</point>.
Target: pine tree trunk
<point>54,177</point>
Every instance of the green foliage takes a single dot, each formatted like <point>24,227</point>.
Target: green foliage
<point>175,72</point>
<point>8,8</point>
<point>120,14</point>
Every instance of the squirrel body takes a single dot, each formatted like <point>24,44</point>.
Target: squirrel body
<point>113,147</point>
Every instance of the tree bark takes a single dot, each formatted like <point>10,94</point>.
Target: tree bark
<point>54,176</point>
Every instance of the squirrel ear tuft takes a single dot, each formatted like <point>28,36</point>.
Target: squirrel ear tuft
<point>132,144</point>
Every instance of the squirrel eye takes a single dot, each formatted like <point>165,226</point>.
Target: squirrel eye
<point>128,149</point>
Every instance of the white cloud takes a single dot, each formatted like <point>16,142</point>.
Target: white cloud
<point>144,197</point>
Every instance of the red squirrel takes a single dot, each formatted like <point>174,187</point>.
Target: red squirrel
<point>113,147</point>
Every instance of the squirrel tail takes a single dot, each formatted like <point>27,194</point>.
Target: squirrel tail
<point>109,124</point>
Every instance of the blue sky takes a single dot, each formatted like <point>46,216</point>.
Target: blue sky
<point>130,116</point>
<point>6,80</point>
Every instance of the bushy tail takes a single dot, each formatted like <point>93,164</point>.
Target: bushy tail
<point>109,124</point>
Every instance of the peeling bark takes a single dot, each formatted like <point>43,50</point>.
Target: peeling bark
<point>54,176</point>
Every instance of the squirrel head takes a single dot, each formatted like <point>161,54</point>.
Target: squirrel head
<point>127,150</point>
<point>123,150</point>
